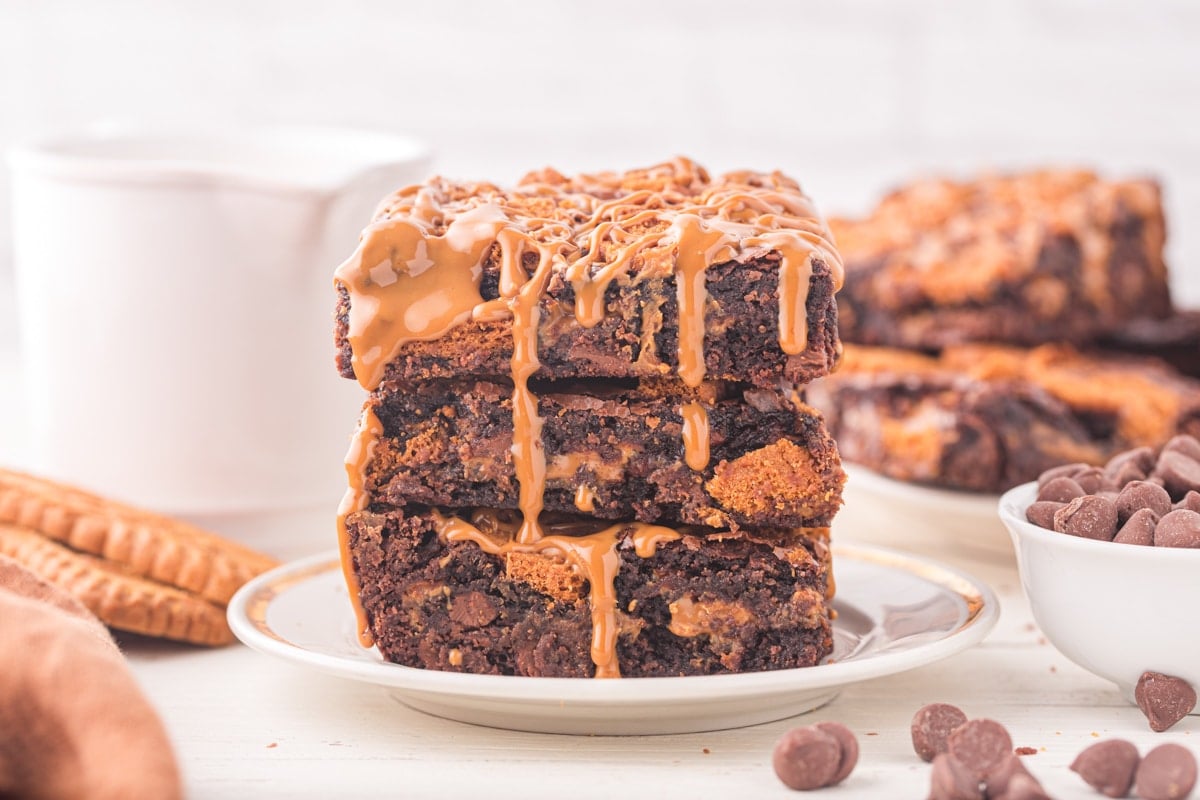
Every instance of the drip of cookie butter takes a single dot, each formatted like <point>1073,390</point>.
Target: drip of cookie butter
<point>593,555</point>
<point>362,447</point>
<point>695,436</point>
<point>585,498</point>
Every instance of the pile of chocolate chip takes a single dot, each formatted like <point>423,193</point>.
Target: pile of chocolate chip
<point>1139,497</point>
<point>975,760</point>
<point>972,759</point>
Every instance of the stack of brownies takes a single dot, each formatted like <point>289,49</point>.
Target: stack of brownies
<point>986,317</point>
<point>584,451</point>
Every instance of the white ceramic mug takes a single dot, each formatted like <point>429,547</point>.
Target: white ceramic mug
<point>176,300</point>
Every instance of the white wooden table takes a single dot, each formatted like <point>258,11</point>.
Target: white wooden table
<point>246,725</point>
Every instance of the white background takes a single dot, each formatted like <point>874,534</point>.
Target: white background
<point>850,97</point>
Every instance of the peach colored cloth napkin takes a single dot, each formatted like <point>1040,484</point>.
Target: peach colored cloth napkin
<point>73,723</point>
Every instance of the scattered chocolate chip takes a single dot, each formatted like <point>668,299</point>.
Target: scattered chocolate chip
<point>849,749</point>
<point>806,758</point>
<point>1180,473</point>
<point>932,725</point>
<point>1190,501</point>
<point>1138,529</point>
<point>1066,470</point>
<point>1178,529</point>
<point>1061,490</point>
<point>1164,699</point>
<point>981,745</point>
<point>1141,494</point>
<point>1168,772</point>
<point>1090,517</point>
<point>1041,513</point>
<point>1188,445</point>
<point>951,780</point>
<point>1108,766</point>
<point>1092,480</point>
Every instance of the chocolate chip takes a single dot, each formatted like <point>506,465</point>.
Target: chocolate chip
<point>1092,480</point>
<point>1041,513</point>
<point>1108,766</point>
<point>1090,517</point>
<point>472,609</point>
<point>1128,472</point>
<point>1178,529</point>
<point>1140,459</point>
<point>980,745</point>
<point>1190,501</point>
<point>1138,529</point>
<point>1060,490</point>
<point>1180,473</point>
<point>1164,699</point>
<point>951,780</point>
<point>1188,445</point>
<point>997,781</point>
<point>1141,494</point>
<point>849,749</point>
<point>806,758</point>
<point>1168,772</point>
<point>932,725</point>
<point>1064,471</point>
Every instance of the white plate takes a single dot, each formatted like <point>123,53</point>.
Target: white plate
<point>895,612</point>
<point>922,519</point>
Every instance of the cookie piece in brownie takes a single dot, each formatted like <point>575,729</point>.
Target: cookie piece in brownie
<point>696,602</point>
<point>1021,259</point>
<point>987,418</point>
<point>637,274</point>
<point>612,451</point>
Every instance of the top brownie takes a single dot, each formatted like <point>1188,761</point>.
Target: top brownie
<point>622,275</point>
<point>1021,259</point>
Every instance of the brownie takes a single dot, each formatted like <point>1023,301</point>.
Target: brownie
<point>1020,259</point>
<point>583,451</point>
<point>705,603</point>
<point>610,306</point>
<point>986,417</point>
<point>615,452</point>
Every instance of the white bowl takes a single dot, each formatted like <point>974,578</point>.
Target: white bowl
<point>1117,610</point>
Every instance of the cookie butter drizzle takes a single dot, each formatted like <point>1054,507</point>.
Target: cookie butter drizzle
<point>416,275</point>
<point>362,447</point>
<point>592,554</point>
